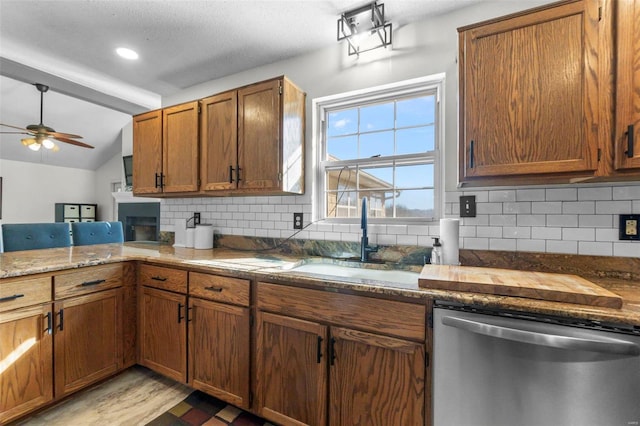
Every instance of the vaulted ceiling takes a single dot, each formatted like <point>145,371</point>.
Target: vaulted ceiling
<point>70,44</point>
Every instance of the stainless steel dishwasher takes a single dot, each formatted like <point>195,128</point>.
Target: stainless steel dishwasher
<point>495,368</point>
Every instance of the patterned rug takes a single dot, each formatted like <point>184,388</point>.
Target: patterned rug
<point>200,409</point>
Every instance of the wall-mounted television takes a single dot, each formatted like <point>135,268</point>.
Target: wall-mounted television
<point>128,169</point>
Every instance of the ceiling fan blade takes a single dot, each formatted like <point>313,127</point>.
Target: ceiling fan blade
<point>64,135</point>
<point>72,142</point>
<point>16,133</point>
<point>19,128</point>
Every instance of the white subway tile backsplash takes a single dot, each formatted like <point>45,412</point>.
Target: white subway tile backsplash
<point>613,207</point>
<point>556,219</point>
<point>530,195</point>
<point>578,234</point>
<point>566,220</point>
<point>568,247</point>
<point>595,193</point>
<point>595,248</point>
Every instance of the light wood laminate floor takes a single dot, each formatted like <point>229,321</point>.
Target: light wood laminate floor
<point>134,397</point>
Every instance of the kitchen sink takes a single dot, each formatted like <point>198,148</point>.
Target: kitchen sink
<point>357,270</point>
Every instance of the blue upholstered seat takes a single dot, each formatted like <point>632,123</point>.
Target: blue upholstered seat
<point>31,236</point>
<point>87,233</point>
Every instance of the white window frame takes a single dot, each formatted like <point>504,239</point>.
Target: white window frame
<point>321,106</point>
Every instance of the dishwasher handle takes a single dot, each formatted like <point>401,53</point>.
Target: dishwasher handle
<point>603,345</point>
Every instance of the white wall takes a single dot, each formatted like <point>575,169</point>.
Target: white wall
<point>30,190</point>
<point>575,219</point>
<point>108,174</point>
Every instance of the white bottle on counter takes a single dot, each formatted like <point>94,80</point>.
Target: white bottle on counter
<point>436,252</point>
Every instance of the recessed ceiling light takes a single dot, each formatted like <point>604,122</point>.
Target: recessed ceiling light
<point>126,53</point>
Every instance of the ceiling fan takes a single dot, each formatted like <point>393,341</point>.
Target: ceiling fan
<point>41,135</point>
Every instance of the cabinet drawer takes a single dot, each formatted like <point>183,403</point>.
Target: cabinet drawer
<point>390,317</point>
<point>71,210</point>
<point>221,289</point>
<point>88,212</point>
<point>164,278</point>
<point>19,292</point>
<point>87,280</point>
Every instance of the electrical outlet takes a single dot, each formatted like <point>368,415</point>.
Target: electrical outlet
<point>297,221</point>
<point>196,218</point>
<point>629,227</point>
<point>468,206</point>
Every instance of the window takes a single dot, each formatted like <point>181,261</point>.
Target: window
<point>384,144</point>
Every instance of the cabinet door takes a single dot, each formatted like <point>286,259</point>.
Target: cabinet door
<point>219,142</point>
<point>529,93</point>
<point>376,380</point>
<point>88,339</point>
<point>291,370</point>
<point>147,152</point>
<point>628,85</point>
<point>180,148</point>
<point>163,332</point>
<point>219,350</point>
<point>259,141</point>
<point>26,360</point>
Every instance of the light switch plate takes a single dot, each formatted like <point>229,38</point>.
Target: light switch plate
<point>629,227</point>
<point>297,221</point>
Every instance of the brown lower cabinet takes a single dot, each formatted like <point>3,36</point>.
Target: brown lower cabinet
<point>88,339</point>
<point>26,363</point>
<point>163,332</point>
<point>369,378</point>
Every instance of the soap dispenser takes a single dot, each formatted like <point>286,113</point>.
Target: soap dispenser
<point>436,252</point>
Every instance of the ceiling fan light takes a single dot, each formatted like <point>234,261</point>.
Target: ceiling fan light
<point>34,146</point>
<point>126,53</point>
<point>48,143</point>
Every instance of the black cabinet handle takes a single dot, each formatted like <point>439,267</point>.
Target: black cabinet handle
<point>191,311</point>
<point>49,328</point>
<point>159,278</point>
<point>157,180</point>
<point>238,173</point>
<point>230,174</point>
<point>162,176</point>
<point>10,298</point>
<point>90,283</point>
<point>332,350</point>
<point>214,289</point>
<point>319,353</point>
<point>471,155</point>
<point>630,141</point>
<point>180,317</point>
<point>61,322</point>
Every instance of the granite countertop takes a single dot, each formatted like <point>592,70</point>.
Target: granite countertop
<point>270,266</point>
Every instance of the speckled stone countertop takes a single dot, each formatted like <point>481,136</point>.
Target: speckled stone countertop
<point>269,266</point>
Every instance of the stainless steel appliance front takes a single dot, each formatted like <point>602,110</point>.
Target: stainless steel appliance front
<point>492,370</point>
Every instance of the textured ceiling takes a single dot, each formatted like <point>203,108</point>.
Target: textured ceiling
<point>70,46</point>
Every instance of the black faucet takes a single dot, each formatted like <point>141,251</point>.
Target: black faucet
<point>365,248</point>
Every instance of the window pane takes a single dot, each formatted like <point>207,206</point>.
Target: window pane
<point>415,140</point>
<point>376,117</point>
<point>342,122</point>
<point>415,203</point>
<point>375,178</point>
<point>414,176</point>
<point>416,111</point>
<point>378,202</point>
<point>376,144</point>
<point>340,180</point>
<point>342,148</point>
<point>342,204</point>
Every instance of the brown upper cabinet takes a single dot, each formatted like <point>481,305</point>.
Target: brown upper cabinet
<point>627,131</point>
<point>165,150</point>
<point>248,140</point>
<point>529,93</point>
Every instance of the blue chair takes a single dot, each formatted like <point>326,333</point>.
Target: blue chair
<point>87,233</point>
<point>31,236</point>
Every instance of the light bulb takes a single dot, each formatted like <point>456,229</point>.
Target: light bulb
<point>35,146</point>
<point>48,143</point>
<point>127,53</point>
